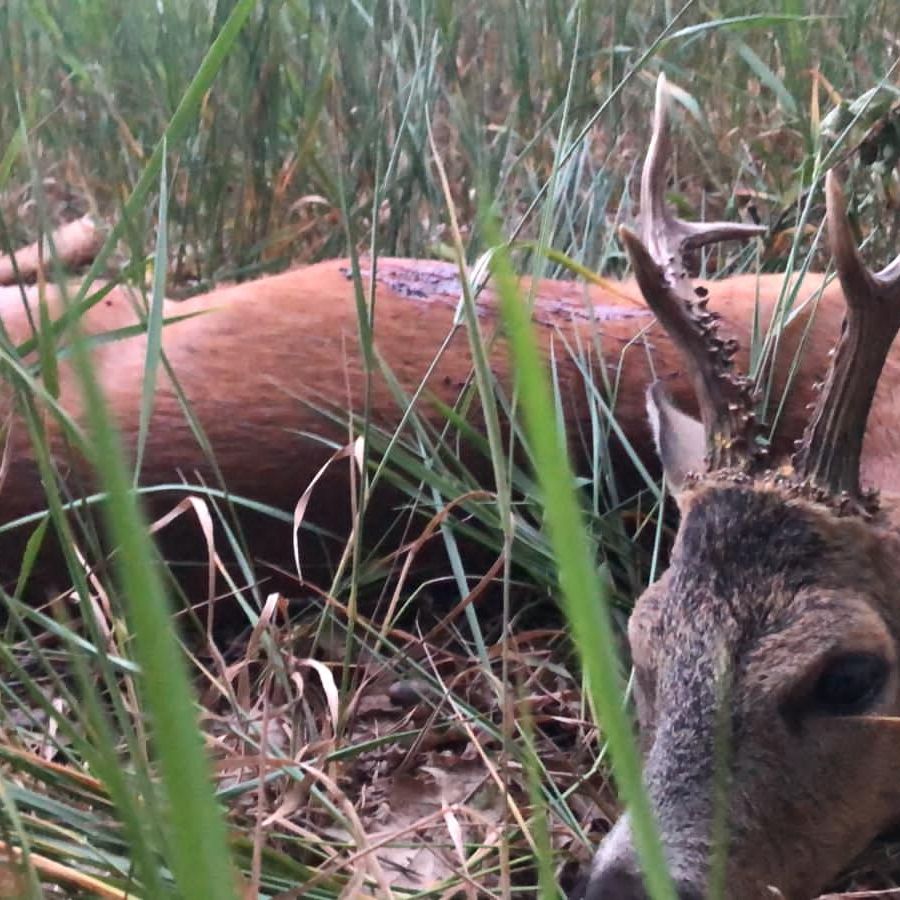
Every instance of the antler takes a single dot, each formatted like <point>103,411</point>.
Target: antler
<point>725,398</point>
<point>830,451</point>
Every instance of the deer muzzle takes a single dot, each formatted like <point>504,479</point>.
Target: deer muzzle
<point>616,875</point>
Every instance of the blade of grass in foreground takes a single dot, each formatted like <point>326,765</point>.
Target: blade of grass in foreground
<point>154,318</point>
<point>196,838</point>
<point>584,595</point>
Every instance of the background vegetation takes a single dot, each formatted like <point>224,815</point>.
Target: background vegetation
<point>430,750</point>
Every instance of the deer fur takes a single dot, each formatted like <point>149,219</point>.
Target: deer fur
<point>259,356</point>
<point>764,591</point>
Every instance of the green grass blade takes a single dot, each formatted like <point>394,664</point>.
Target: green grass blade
<point>584,595</point>
<point>154,319</point>
<point>196,832</point>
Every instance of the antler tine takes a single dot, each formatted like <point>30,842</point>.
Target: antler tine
<point>725,399</point>
<point>831,448</point>
<point>663,233</point>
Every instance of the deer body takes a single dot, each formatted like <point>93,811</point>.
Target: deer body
<point>256,357</point>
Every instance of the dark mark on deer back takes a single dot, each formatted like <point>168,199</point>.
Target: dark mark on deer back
<point>437,282</point>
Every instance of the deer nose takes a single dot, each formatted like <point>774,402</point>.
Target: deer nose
<point>621,882</point>
<point>617,882</point>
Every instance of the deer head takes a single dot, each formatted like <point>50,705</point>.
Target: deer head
<point>765,658</point>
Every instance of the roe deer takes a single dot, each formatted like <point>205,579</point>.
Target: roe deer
<point>766,656</point>
<point>257,361</point>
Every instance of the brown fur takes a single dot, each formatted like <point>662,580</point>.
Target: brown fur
<point>762,590</point>
<point>263,350</point>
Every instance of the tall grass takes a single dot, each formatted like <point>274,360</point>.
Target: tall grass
<point>225,139</point>
<point>294,112</point>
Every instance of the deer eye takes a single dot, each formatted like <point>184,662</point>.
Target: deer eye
<point>849,684</point>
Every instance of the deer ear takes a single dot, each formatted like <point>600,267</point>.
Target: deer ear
<point>680,439</point>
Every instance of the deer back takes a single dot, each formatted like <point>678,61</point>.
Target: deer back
<point>261,363</point>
